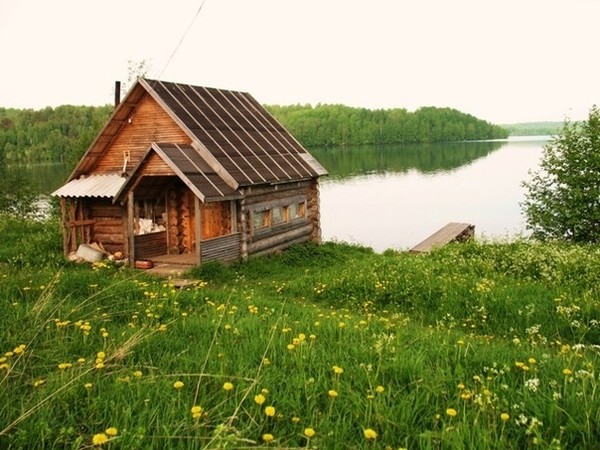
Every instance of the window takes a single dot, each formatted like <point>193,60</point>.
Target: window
<point>269,215</point>
<point>261,219</point>
<point>279,214</point>
<point>297,210</point>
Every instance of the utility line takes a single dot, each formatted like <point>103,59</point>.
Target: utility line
<point>182,39</point>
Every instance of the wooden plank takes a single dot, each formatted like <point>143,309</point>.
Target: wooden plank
<point>224,248</point>
<point>150,123</point>
<point>453,231</point>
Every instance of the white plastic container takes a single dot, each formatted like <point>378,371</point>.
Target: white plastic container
<point>89,254</point>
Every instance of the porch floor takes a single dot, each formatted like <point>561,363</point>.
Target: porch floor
<point>172,265</point>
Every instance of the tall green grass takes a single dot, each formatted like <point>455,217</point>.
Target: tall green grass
<point>473,346</point>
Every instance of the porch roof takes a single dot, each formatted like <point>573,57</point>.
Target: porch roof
<point>92,186</point>
<point>191,168</point>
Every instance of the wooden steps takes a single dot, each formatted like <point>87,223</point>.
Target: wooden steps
<point>453,231</point>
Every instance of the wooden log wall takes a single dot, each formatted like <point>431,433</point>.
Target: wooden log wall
<point>279,236</point>
<point>172,223</point>
<point>148,123</point>
<point>314,211</point>
<point>186,224</point>
<point>108,226</point>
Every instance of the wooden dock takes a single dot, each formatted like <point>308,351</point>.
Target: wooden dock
<point>452,232</point>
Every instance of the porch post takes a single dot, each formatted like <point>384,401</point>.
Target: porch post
<point>130,237</point>
<point>65,225</point>
<point>198,227</point>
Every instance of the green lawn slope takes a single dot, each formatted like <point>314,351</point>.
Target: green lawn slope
<point>482,346</point>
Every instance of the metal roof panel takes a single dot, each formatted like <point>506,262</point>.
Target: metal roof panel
<point>92,186</point>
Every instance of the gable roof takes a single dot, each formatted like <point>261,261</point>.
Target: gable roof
<point>191,168</point>
<point>239,139</point>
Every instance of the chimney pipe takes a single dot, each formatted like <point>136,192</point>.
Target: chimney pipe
<point>117,93</point>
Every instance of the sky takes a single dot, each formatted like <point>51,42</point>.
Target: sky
<point>503,61</point>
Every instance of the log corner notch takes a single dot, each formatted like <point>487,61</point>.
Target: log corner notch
<point>451,232</point>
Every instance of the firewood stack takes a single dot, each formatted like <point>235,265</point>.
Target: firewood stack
<point>172,225</point>
<point>185,245</point>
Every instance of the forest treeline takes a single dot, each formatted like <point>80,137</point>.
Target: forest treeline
<point>62,134</point>
<point>534,128</point>
<point>324,125</point>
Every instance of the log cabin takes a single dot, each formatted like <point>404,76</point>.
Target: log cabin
<point>204,173</point>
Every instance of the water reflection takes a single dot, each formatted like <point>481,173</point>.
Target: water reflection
<point>42,178</point>
<point>344,162</point>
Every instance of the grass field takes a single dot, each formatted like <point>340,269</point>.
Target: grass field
<point>481,346</point>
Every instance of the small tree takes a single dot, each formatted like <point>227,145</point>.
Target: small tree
<point>563,195</point>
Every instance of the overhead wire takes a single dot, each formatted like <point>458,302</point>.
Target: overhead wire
<point>185,33</point>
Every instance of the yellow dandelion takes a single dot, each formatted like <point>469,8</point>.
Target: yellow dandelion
<point>38,383</point>
<point>504,416</point>
<point>338,370</point>
<point>268,437</point>
<point>295,419</point>
<point>270,411</point>
<point>567,372</point>
<point>137,374</point>
<point>379,389</point>
<point>451,412</point>
<point>259,399</point>
<point>531,361</point>
<point>112,431</point>
<point>64,366</point>
<point>370,434</point>
<point>332,393</point>
<point>228,386</point>
<point>81,361</point>
<point>178,384</point>
<point>196,409</point>
<point>461,386</point>
<point>309,432</point>
<point>291,346</point>
<point>100,365</point>
<point>99,439</point>
<point>101,355</point>
<point>88,385</point>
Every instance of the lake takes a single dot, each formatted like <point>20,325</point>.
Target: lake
<point>394,196</point>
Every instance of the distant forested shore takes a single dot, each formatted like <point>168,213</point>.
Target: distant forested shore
<point>62,134</point>
<point>533,128</point>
